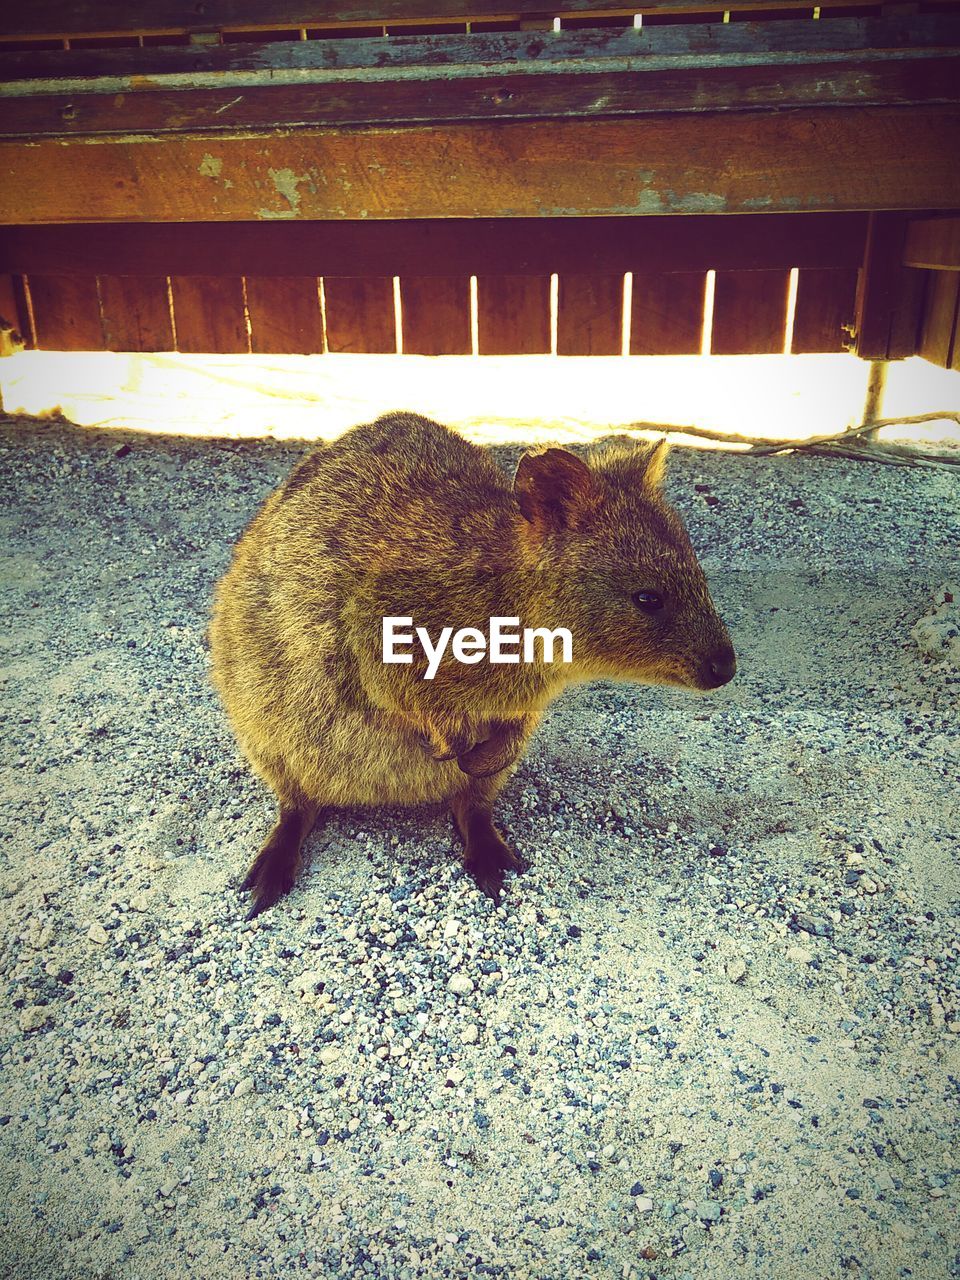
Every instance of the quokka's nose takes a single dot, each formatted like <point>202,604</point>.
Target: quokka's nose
<point>720,667</point>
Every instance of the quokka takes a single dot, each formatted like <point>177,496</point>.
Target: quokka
<point>403,518</point>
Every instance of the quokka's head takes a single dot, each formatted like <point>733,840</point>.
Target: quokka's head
<point>615,566</point>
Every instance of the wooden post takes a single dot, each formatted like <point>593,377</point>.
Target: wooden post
<point>876,386</point>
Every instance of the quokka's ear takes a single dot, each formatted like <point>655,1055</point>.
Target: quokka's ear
<point>554,488</point>
<point>655,464</point>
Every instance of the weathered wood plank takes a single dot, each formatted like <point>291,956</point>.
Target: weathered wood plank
<point>208,314</point>
<point>135,313</point>
<point>66,313</point>
<point>359,313</point>
<point>590,315</point>
<point>825,310</point>
<point>889,295</point>
<point>821,159</point>
<point>499,97</point>
<point>938,334</point>
<point>284,314</point>
<point>435,315</point>
<point>749,312</point>
<point>519,246</point>
<point>513,315</point>
<point>933,243</point>
<point>666,313</point>
<point>653,46</point>
<point>116,17</point>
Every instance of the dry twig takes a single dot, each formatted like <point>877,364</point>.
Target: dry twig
<point>848,443</point>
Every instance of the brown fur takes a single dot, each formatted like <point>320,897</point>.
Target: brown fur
<point>403,517</point>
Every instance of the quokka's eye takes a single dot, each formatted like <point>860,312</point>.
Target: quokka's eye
<point>648,601</point>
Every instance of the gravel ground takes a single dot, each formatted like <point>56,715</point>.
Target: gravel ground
<point>713,1032</point>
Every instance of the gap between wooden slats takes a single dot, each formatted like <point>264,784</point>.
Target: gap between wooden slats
<point>135,313</point>
<point>590,315</point>
<point>513,315</point>
<point>938,339</point>
<point>435,315</point>
<point>749,312</point>
<point>284,315</point>
<point>359,314</point>
<point>826,303</point>
<point>66,313</point>
<point>666,313</point>
<point>208,313</point>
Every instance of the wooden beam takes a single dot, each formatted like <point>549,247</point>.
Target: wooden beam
<point>719,67</point>
<point>518,246</point>
<point>46,18</point>
<point>819,159</point>
<point>500,97</point>
<point>706,43</point>
<point>933,243</point>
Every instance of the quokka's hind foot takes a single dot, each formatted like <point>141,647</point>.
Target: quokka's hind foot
<point>488,859</point>
<point>275,868</point>
<point>486,856</point>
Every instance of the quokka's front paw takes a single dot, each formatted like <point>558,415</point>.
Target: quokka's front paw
<point>498,750</point>
<point>442,748</point>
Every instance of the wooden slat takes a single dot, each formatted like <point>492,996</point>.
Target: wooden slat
<point>749,312</point>
<point>66,313</point>
<point>889,295</point>
<point>10,306</point>
<point>825,310</point>
<point>938,339</point>
<point>42,18</point>
<point>359,314</point>
<point>14,318</point>
<point>513,315</point>
<point>23,311</point>
<point>823,159</point>
<point>135,313</point>
<point>933,243</point>
<point>284,314</point>
<point>666,315</point>
<point>590,315</point>
<point>518,246</point>
<point>208,314</point>
<point>884,80</point>
<point>436,315</point>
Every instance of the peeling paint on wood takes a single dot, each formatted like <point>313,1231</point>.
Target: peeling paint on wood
<point>828,159</point>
